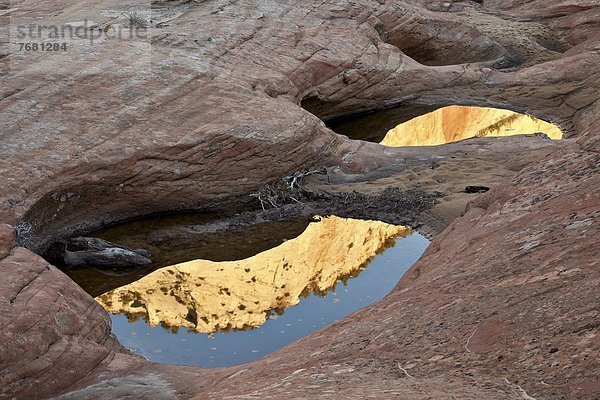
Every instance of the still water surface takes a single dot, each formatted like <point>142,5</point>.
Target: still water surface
<point>219,349</point>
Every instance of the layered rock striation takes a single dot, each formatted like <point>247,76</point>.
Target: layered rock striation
<point>225,96</point>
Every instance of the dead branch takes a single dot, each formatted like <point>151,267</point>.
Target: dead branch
<point>293,181</point>
<point>287,190</point>
<point>259,197</point>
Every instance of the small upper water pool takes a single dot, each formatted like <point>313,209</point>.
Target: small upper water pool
<point>222,313</point>
<point>430,126</point>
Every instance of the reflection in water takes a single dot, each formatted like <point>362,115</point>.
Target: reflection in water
<point>454,123</point>
<point>174,239</point>
<point>234,347</point>
<point>206,296</point>
<point>373,126</point>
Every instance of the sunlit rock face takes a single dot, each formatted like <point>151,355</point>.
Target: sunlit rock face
<point>207,296</point>
<point>454,123</point>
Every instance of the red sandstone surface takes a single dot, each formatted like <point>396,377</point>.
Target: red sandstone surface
<point>504,303</point>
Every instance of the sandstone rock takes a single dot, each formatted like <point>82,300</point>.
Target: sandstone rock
<point>50,326</point>
<point>7,240</point>
<point>210,111</point>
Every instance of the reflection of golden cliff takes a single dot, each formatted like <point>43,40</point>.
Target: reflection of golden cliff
<point>454,123</point>
<point>207,296</point>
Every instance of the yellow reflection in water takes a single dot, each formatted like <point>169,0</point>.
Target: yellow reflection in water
<point>454,123</point>
<point>207,296</point>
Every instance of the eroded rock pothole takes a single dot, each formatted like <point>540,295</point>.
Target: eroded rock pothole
<point>221,313</point>
<point>212,298</point>
<point>431,125</point>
